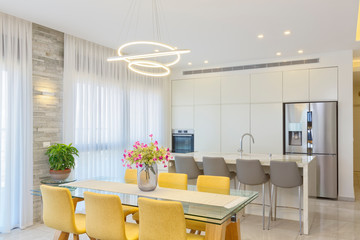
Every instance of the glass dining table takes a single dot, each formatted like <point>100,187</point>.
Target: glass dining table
<point>221,222</point>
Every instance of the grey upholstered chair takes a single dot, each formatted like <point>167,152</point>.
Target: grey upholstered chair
<point>187,165</point>
<point>216,166</point>
<point>285,175</point>
<point>250,172</point>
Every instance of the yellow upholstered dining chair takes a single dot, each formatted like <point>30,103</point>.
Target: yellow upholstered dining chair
<point>169,180</point>
<point>59,212</point>
<point>131,178</point>
<point>163,220</point>
<point>105,218</point>
<point>210,184</point>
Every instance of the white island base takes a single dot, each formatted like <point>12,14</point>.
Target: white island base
<point>287,199</point>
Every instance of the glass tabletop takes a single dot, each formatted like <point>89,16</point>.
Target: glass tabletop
<point>50,181</point>
<point>193,211</point>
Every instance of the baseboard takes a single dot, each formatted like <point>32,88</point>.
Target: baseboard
<point>346,199</point>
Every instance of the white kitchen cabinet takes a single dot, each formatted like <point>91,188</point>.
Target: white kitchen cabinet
<point>235,121</point>
<point>235,89</point>
<point>207,128</point>
<point>182,92</point>
<point>296,86</point>
<point>267,128</point>
<point>182,117</point>
<point>323,84</point>
<point>266,87</point>
<point>207,91</point>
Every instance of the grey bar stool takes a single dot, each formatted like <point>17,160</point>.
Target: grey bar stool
<point>250,172</point>
<point>187,165</point>
<point>285,175</point>
<point>216,166</point>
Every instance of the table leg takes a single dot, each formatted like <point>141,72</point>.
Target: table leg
<point>233,231</point>
<point>215,231</point>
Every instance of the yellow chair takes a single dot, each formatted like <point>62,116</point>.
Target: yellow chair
<point>210,184</point>
<point>59,212</point>
<point>131,178</point>
<point>173,180</point>
<point>163,220</point>
<point>168,180</point>
<point>105,218</point>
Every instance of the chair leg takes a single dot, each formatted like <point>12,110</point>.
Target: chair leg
<point>192,231</point>
<point>270,196</point>
<point>275,203</point>
<point>263,203</point>
<point>300,198</point>
<point>239,186</point>
<point>271,202</point>
<point>76,236</point>
<point>62,236</point>
<point>91,238</point>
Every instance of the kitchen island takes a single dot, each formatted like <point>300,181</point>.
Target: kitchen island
<point>287,199</point>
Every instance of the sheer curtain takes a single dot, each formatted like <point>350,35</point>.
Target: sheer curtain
<point>107,109</point>
<point>16,157</point>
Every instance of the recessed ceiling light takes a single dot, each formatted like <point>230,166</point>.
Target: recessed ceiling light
<point>260,36</point>
<point>156,50</point>
<point>287,32</point>
<point>278,54</point>
<point>189,63</point>
<point>206,61</point>
<point>300,51</point>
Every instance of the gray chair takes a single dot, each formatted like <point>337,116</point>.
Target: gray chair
<point>187,165</point>
<point>285,175</point>
<point>250,172</point>
<point>216,166</point>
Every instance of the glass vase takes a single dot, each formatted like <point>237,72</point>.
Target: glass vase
<point>147,177</point>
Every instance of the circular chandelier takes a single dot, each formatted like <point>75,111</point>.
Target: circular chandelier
<point>139,60</point>
<point>144,63</point>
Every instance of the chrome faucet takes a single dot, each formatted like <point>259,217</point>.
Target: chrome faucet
<point>241,142</point>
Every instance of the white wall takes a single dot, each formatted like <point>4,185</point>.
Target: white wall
<point>342,60</point>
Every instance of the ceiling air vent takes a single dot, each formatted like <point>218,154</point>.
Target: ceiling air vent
<point>253,66</point>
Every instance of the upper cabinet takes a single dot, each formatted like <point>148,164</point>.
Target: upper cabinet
<point>323,84</point>
<point>266,87</point>
<point>296,86</point>
<point>182,117</point>
<point>182,92</point>
<point>235,89</point>
<point>207,91</point>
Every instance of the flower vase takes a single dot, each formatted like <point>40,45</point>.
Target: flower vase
<point>147,177</point>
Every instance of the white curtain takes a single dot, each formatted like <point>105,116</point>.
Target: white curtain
<point>107,109</point>
<point>16,157</point>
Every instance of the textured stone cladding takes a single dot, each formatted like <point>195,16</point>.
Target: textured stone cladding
<point>48,66</point>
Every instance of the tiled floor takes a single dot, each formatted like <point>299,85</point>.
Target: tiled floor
<point>333,220</point>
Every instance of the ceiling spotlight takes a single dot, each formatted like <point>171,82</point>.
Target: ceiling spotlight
<point>300,51</point>
<point>206,61</point>
<point>156,50</point>
<point>287,32</point>
<point>278,54</point>
<point>260,36</point>
<point>189,63</point>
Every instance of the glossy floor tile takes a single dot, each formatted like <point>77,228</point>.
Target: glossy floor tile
<point>333,220</point>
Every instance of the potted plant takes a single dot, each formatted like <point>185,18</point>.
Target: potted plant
<point>145,158</point>
<point>61,160</point>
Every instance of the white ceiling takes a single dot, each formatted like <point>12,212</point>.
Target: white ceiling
<point>220,31</point>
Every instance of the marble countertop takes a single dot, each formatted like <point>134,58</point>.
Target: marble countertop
<point>230,158</point>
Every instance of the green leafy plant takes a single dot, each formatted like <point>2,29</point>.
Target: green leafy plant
<point>61,156</point>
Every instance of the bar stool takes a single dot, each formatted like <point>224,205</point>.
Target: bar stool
<point>250,172</point>
<point>216,166</point>
<point>187,165</point>
<point>285,175</point>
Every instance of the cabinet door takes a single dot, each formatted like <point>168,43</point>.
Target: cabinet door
<point>207,91</point>
<point>207,128</point>
<point>266,87</point>
<point>182,92</point>
<point>267,128</point>
<point>182,117</point>
<point>235,89</point>
<point>323,84</point>
<point>235,121</point>
<point>296,86</point>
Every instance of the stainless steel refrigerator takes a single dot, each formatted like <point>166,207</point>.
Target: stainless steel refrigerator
<point>311,128</point>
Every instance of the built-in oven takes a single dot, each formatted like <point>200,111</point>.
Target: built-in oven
<point>182,140</point>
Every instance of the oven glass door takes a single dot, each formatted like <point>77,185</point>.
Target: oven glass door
<point>183,143</point>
